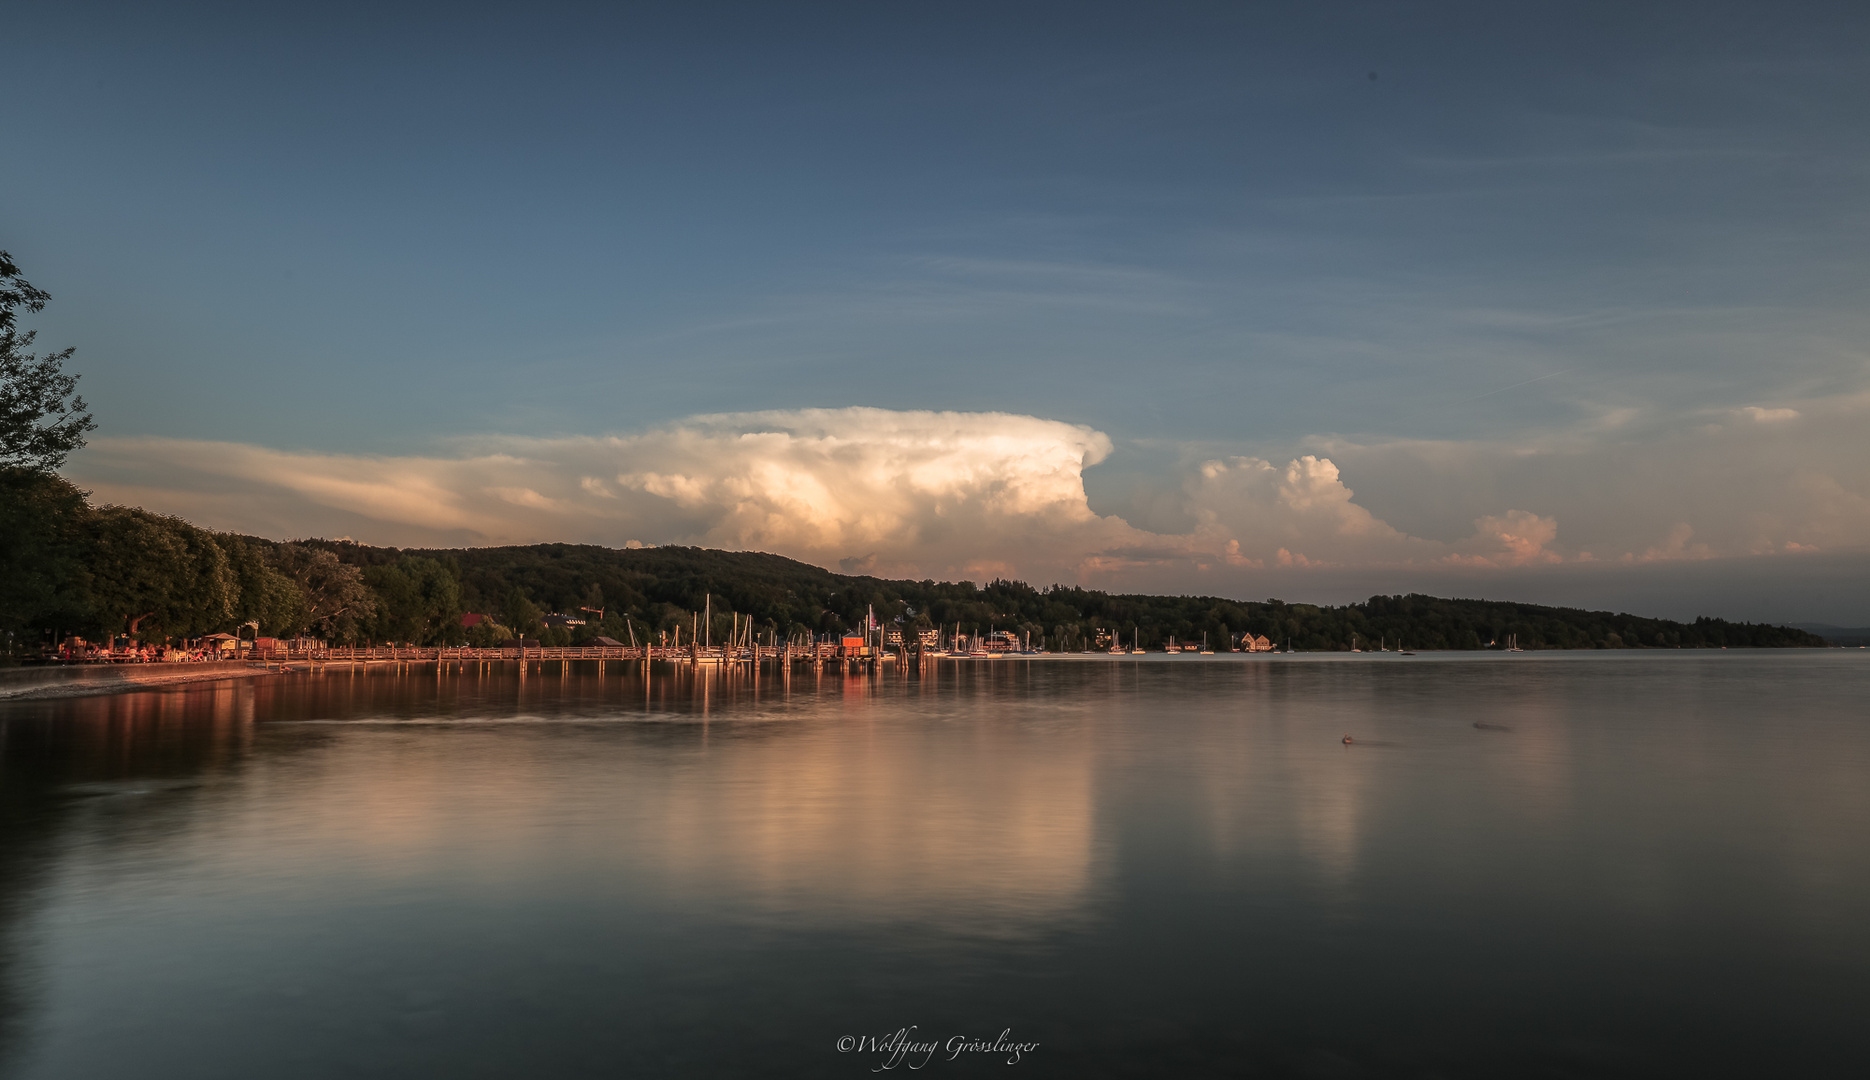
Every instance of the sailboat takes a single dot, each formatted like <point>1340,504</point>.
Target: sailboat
<point>1205,651</point>
<point>1136,640</point>
<point>706,654</point>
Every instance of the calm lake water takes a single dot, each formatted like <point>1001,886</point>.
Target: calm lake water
<point>1556,864</point>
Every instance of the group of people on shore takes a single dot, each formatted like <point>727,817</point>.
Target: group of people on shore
<point>135,653</point>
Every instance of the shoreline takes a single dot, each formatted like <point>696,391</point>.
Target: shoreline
<point>85,680</point>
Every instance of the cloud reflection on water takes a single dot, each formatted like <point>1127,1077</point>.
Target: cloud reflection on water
<point>783,812</point>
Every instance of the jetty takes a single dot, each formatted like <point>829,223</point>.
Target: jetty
<point>823,655</point>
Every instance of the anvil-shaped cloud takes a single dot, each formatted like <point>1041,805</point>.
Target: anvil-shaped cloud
<point>944,494</point>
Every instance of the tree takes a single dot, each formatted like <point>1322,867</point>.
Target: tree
<point>418,601</point>
<point>153,575</point>
<point>39,426</point>
<point>265,595</point>
<point>486,635</point>
<point>335,594</point>
<point>520,613</point>
<point>42,575</point>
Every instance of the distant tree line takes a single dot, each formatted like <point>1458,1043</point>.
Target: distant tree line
<point>656,590</point>
<point>102,571</point>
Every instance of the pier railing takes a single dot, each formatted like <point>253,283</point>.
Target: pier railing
<point>679,654</point>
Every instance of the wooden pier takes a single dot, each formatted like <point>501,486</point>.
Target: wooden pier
<point>818,655</point>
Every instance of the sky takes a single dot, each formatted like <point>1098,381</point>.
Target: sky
<point>1555,302</point>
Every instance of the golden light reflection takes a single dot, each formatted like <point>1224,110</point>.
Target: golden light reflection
<point>834,809</point>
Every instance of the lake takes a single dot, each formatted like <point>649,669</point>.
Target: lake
<point>1540,864</point>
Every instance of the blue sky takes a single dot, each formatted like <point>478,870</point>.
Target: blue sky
<point>1204,231</point>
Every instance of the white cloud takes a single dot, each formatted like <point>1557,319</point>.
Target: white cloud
<point>1302,509</point>
<point>906,492</point>
<point>1674,546</point>
<point>1760,485</point>
<point>987,494</point>
<point>1515,538</point>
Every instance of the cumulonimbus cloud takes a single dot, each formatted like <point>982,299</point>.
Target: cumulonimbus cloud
<point>899,492</point>
<point>984,494</point>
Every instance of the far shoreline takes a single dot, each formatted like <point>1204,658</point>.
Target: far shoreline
<point>55,682</point>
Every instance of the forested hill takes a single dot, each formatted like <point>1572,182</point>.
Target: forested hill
<point>69,568</point>
<point>658,588</point>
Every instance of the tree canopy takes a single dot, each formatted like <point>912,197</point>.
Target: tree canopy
<point>42,418</point>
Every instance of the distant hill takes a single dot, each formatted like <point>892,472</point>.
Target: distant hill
<point>1838,635</point>
<point>71,569</point>
<point>658,589</point>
